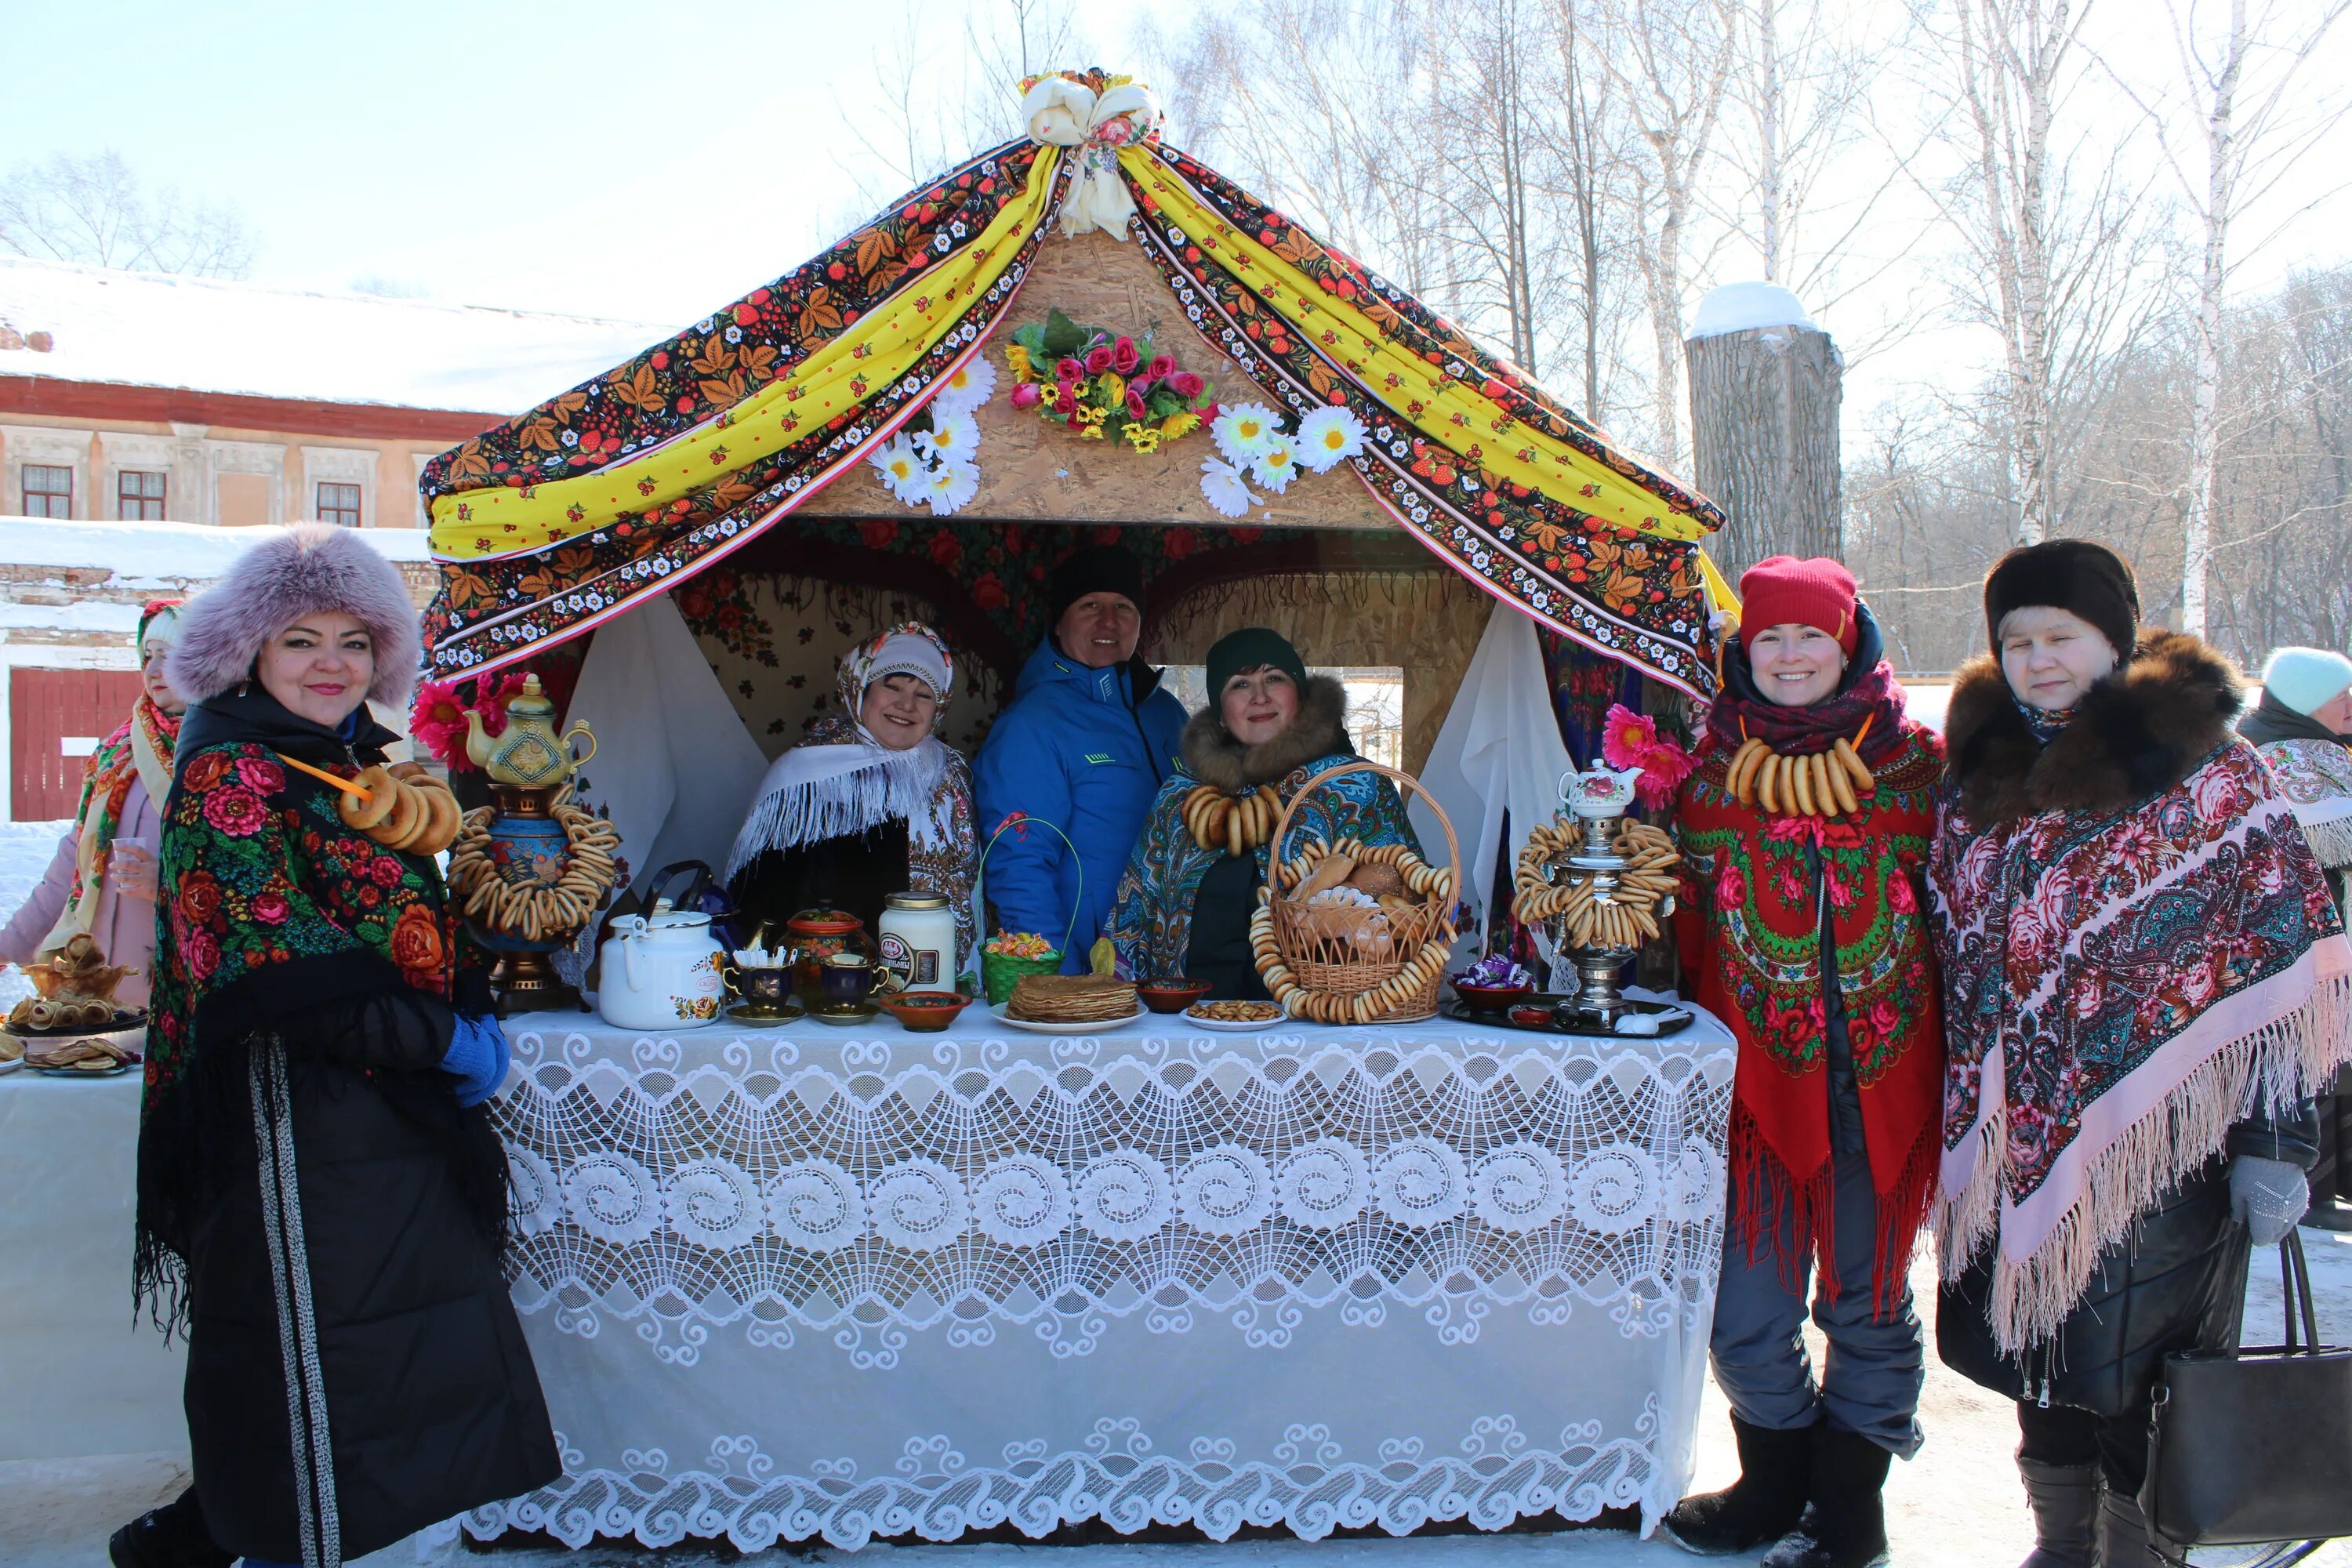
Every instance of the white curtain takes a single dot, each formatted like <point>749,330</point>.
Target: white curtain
<point>675,768</point>
<point>1498,751</point>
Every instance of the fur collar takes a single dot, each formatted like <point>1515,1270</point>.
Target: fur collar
<point>2139,732</point>
<point>1214,757</point>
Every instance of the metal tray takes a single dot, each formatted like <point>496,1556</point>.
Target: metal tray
<point>1461,1013</point>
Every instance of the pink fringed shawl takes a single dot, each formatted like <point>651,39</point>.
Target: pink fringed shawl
<point>2119,990</point>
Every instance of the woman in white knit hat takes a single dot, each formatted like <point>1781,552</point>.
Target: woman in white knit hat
<point>2300,728</point>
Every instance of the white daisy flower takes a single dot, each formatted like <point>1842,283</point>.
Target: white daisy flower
<point>1276,467</point>
<point>1329,436</point>
<point>965,388</point>
<point>1222,487</point>
<point>1246,430</point>
<point>952,438</point>
<point>950,485</point>
<point>902,469</point>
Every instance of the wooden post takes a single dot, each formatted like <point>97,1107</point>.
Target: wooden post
<point>1765,386</point>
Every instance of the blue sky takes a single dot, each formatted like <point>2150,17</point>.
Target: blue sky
<point>638,160</point>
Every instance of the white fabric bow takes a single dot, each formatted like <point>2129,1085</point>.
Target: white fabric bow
<point>1060,112</point>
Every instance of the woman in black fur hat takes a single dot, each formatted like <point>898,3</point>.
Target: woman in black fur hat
<point>2137,943</point>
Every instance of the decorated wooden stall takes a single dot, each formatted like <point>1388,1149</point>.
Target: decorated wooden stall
<point>801,1282</point>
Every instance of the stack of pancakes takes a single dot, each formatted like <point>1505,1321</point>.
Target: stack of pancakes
<point>1071,999</point>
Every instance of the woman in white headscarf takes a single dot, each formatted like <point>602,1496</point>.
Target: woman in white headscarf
<point>870,803</point>
<point>101,881</point>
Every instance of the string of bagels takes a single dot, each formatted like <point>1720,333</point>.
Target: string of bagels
<point>1829,785</point>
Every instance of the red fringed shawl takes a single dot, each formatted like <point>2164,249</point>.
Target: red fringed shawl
<point>1750,939</point>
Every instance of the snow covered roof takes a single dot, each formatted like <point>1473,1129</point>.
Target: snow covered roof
<point>164,555</point>
<point>205,335</point>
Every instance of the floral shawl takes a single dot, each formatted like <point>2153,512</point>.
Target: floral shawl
<point>2138,950</point>
<point>273,907</point>
<point>1750,936</point>
<point>140,748</point>
<point>838,780</point>
<point>1151,922</point>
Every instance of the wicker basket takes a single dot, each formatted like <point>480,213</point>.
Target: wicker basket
<point>1342,950</point>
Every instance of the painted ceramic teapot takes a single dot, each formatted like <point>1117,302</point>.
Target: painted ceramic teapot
<point>661,970</point>
<point>530,754</point>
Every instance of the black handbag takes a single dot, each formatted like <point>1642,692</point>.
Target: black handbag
<point>2255,1444</point>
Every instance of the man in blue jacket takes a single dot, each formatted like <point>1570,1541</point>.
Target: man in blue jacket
<point>1085,744</point>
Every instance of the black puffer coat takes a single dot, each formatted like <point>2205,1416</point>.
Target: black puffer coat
<point>414,1392</point>
<point>2177,1283</point>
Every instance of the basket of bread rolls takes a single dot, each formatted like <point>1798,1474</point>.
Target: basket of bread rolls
<point>1347,933</point>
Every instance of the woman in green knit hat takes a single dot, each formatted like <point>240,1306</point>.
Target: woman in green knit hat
<point>1184,905</point>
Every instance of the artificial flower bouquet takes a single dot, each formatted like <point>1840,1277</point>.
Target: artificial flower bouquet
<point>1106,386</point>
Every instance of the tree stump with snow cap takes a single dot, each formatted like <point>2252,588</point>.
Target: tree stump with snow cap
<point>1765,387</point>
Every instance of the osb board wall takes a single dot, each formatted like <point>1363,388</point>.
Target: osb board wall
<point>1034,471</point>
<point>776,642</point>
<point>1427,623</point>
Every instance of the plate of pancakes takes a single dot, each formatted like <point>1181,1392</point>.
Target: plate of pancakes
<point>1069,1004</point>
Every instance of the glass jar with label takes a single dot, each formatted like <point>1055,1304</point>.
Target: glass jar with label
<point>919,941</point>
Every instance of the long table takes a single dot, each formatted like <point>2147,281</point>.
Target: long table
<point>839,1284</point>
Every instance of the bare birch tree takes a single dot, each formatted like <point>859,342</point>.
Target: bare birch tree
<point>2250,135</point>
<point>1672,61</point>
<point>95,210</point>
<point>2050,223</point>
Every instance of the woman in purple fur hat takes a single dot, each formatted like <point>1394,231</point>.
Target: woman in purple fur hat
<point>321,1198</point>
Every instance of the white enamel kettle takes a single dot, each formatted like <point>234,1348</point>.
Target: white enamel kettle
<point>661,970</point>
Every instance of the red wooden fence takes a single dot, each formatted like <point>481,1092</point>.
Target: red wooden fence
<point>55,718</point>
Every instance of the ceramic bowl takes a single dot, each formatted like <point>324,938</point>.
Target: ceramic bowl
<point>925,1012</point>
<point>1170,996</point>
<point>1492,998</point>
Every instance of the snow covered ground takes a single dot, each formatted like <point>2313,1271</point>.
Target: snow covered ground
<point>1956,1506</point>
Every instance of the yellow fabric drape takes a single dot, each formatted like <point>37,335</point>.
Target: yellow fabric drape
<point>1454,413</point>
<point>841,375</point>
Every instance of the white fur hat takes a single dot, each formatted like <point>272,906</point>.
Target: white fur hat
<point>309,568</point>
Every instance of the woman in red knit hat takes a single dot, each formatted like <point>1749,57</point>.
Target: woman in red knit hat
<point>1804,829</point>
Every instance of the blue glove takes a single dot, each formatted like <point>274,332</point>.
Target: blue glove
<point>477,1057</point>
<point>2267,1196</point>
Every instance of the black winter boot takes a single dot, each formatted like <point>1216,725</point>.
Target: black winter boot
<point>1848,1524</point>
<point>2065,1500</point>
<point>2125,1539</point>
<point>172,1536</point>
<point>1763,1505</point>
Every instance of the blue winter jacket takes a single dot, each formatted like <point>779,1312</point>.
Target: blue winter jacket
<point>1084,749</point>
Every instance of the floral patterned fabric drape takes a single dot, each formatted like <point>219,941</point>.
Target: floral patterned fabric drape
<point>630,483</point>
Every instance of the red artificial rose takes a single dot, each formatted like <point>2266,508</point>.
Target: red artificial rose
<point>1161,365</point>
<point>1186,384</point>
<point>1099,360</point>
<point>416,946</point>
<point>1066,371</point>
<point>236,811</point>
<point>1027,395</point>
<point>1136,407</point>
<point>1124,355</point>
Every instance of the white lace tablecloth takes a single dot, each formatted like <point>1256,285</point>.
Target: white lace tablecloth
<point>815,1283</point>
